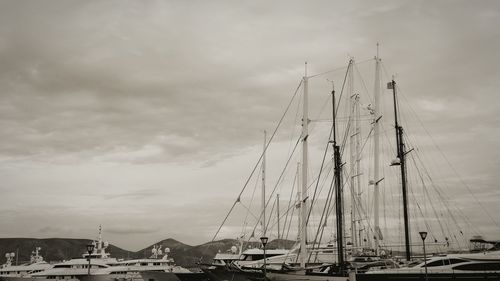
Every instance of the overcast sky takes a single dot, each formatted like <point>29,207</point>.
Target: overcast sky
<point>147,116</point>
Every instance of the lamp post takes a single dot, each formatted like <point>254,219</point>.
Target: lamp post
<point>423,235</point>
<point>264,240</point>
<point>90,250</point>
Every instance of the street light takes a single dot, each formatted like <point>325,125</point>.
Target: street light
<point>423,235</point>
<point>264,240</point>
<point>90,250</point>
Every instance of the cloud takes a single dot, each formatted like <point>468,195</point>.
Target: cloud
<point>146,113</point>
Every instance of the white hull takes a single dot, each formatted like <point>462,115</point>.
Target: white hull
<point>301,276</point>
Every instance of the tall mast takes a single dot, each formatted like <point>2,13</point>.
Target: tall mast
<point>358,166</point>
<point>353,156</point>
<point>401,161</point>
<point>376,154</point>
<point>264,187</point>
<point>303,203</point>
<point>338,192</point>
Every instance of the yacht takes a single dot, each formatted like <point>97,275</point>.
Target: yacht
<point>75,268</point>
<point>14,272</point>
<point>131,269</point>
<point>238,265</point>
<point>452,263</point>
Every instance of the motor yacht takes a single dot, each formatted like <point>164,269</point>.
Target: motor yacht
<point>11,272</point>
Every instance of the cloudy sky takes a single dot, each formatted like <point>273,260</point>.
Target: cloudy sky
<point>147,116</point>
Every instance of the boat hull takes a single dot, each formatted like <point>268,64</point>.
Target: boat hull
<point>109,277</point>
<point>302,276</point>
<point>476,276</point>
<point>174,276</point>
<point>26,278</point>
<point>223,273</point>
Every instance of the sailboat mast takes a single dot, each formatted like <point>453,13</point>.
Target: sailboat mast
<point>353,156</point>
<point>303,205</point>
<point>338,191</point>
<point>376,154</point>
<point>402,163</point>
<point>358,168</point>
<point>264,186</point>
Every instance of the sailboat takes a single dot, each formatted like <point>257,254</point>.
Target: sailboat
<point>343,265</point>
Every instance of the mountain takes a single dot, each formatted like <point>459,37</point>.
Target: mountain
<point>53,249</point>
<point>58,249</point>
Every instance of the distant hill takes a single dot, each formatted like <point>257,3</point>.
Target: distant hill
<point>58,249</point>
<point>53,249</point>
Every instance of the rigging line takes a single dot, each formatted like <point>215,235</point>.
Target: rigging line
<point>334,203</point>
<point>329,170</point>
<point>357,204</point>
<point>417,156</point>
<point>346,136</point>
<point>319,176</point>
<point>245,222</point>
<point>336,69</point>
<point>448,161</point>
<point>323,225</point>
<point>292,133</point>
<point>343,86</point>
<point>428,196</point>
<point>248,210</point>
<point>427,226</point>
<point>260,158</point>
<point>328,204</point>
<point>327,167</point>
<point>443,199</point>
<point>278,181</point>
<point>349,67</point>
<point>363,83</point>
<point>437,189</point>
<point>289,202</point>
<point>271,215</point>
<point>313,125</point>
<point>290,224</point>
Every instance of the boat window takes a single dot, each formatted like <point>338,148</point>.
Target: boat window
<point>435,263</point>
<point>144,263</point>
<point>254,257</point>
<point>486,266</point>
<point>62,266</point>
<point>455,261</point>
<point>156,263</point>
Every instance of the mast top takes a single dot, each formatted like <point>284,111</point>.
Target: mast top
<point>333,83</point>
<point>305,69</point>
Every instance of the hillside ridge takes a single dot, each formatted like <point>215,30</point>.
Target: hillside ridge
<point>59,249</point>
